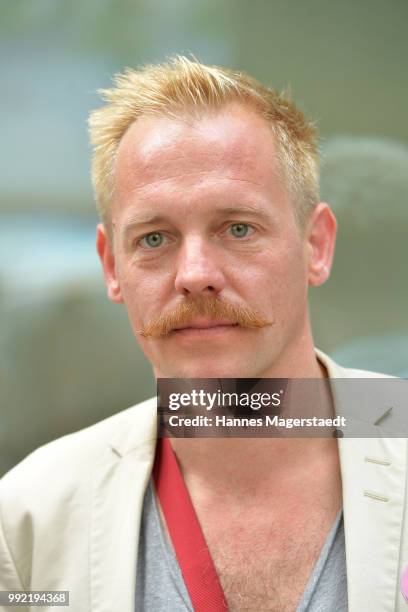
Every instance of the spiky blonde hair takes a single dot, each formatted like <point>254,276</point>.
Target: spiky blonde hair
<point>185,86</point>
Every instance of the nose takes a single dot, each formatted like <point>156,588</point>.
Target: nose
<point>199,269</point>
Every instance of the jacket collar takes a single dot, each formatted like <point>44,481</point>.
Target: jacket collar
<point>371,409</point>
<point>138,427</point>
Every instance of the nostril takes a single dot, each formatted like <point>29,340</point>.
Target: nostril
<point>208,289</point>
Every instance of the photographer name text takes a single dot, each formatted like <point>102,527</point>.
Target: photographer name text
<point>265,421</point>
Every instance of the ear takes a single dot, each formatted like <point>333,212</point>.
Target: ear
<point>104,246</point>
<point>321,238</point>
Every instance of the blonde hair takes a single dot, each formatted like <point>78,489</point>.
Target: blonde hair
<point>183,86</point>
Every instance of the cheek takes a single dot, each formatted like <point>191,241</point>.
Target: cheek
<point>274,274</point>
<point>277,287</point>
<point>144,294</point>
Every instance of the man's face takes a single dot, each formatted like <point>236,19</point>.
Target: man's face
<point>200,216</point>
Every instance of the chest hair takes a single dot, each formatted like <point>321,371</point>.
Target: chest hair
<point>264,565</point>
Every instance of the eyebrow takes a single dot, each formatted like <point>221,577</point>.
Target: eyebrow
<point>140,220</point>
<point>244,208</point>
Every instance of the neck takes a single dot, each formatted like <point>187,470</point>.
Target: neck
<point>222,464</point>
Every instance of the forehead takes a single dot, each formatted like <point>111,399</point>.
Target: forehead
<point>234,145</point>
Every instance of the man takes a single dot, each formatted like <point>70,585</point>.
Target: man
<point>211,234</point>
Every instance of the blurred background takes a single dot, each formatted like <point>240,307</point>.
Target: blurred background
<point>67,356</point>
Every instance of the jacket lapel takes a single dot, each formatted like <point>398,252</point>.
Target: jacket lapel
<point>119,485</point>
<point>373,474</point>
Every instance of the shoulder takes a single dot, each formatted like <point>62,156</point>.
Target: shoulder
<point>336,370</point>
<point>68,461</point>
<point>372,398</point>
<point>50,496</point>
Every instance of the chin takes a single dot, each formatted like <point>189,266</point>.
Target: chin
<point>205,369</point>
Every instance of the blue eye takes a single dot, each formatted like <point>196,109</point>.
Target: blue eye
<point>153,240</point>
<point>239,230</point>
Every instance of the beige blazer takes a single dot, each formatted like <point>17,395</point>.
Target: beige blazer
<point>70,512</point>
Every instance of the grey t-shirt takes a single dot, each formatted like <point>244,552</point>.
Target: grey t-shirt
<point>160,586</point>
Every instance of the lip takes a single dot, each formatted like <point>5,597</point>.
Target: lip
<point>204,324</point>
<point>203,328</point>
